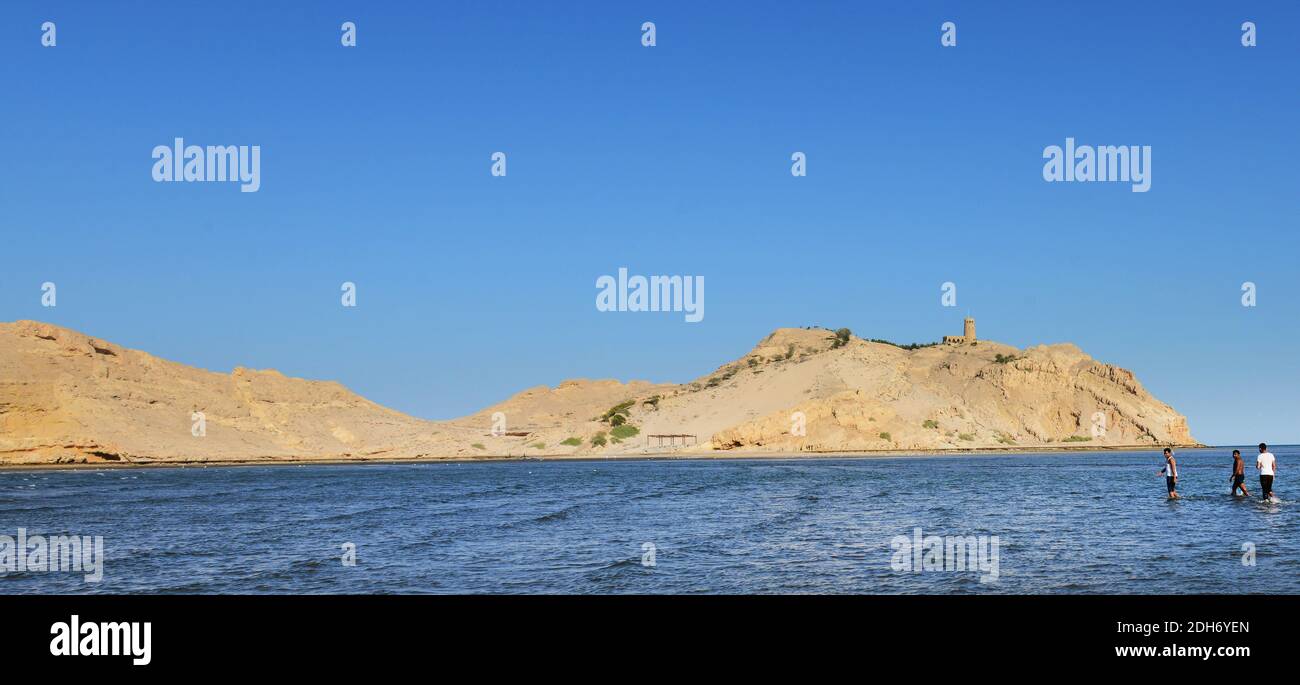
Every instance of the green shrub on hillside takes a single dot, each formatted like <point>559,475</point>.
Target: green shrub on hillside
<point>624,432</point>
<point>619,409</point>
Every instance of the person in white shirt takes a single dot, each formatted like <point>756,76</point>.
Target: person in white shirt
<point>1266,463</point>
<point>1171,473</point>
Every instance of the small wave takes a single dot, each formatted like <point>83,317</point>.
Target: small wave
<point>559,515</point>
<point>344,516</point>
<point>621,563</point>
<point>674,493</point>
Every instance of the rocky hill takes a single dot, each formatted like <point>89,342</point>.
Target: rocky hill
<point>69,398</point>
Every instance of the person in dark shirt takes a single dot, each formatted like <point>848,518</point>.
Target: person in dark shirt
<point>1238,476</point>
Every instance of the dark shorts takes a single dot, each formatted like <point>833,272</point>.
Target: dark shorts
<point>1170,482</point>
<point>1265,484</point>
<point>1238,480</point>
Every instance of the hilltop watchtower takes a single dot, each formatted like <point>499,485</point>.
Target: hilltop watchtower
<point>967,336</point>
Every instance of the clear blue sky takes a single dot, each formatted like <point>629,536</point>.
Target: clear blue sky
<point>924,166</point>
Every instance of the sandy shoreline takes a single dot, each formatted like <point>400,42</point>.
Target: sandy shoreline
<point>666,456</point>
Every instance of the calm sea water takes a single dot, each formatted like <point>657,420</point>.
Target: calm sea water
<point>1066,523</point>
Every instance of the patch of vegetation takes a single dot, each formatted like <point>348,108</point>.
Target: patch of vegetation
<point>617,420</point>
<point>571,442</point>
<point>965,436</point>
<point>651,401</point>
<point>789,350</point>
<point>930,423</point>
<point>908,346</point>
<point>721,378</point>
<point>538,445</point>
<point>841,338</point>
<point>478,446</point>
<point>619,409</point>
<point>1000,358</point>
<point>598,440</point>
<point>753,361</point>
<point>624,432</point>
<point>886,436</point>
<point>1005,439</point>
<point>1078,438</point>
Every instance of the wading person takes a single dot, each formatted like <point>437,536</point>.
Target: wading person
<point>1171,473</point>
<point>1267,465</point>
<point>1238,476</point>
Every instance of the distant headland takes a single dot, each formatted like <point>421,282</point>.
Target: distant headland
<point>67,398</point>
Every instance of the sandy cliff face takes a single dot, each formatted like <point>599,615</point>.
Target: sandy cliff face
<point>69,398</point>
